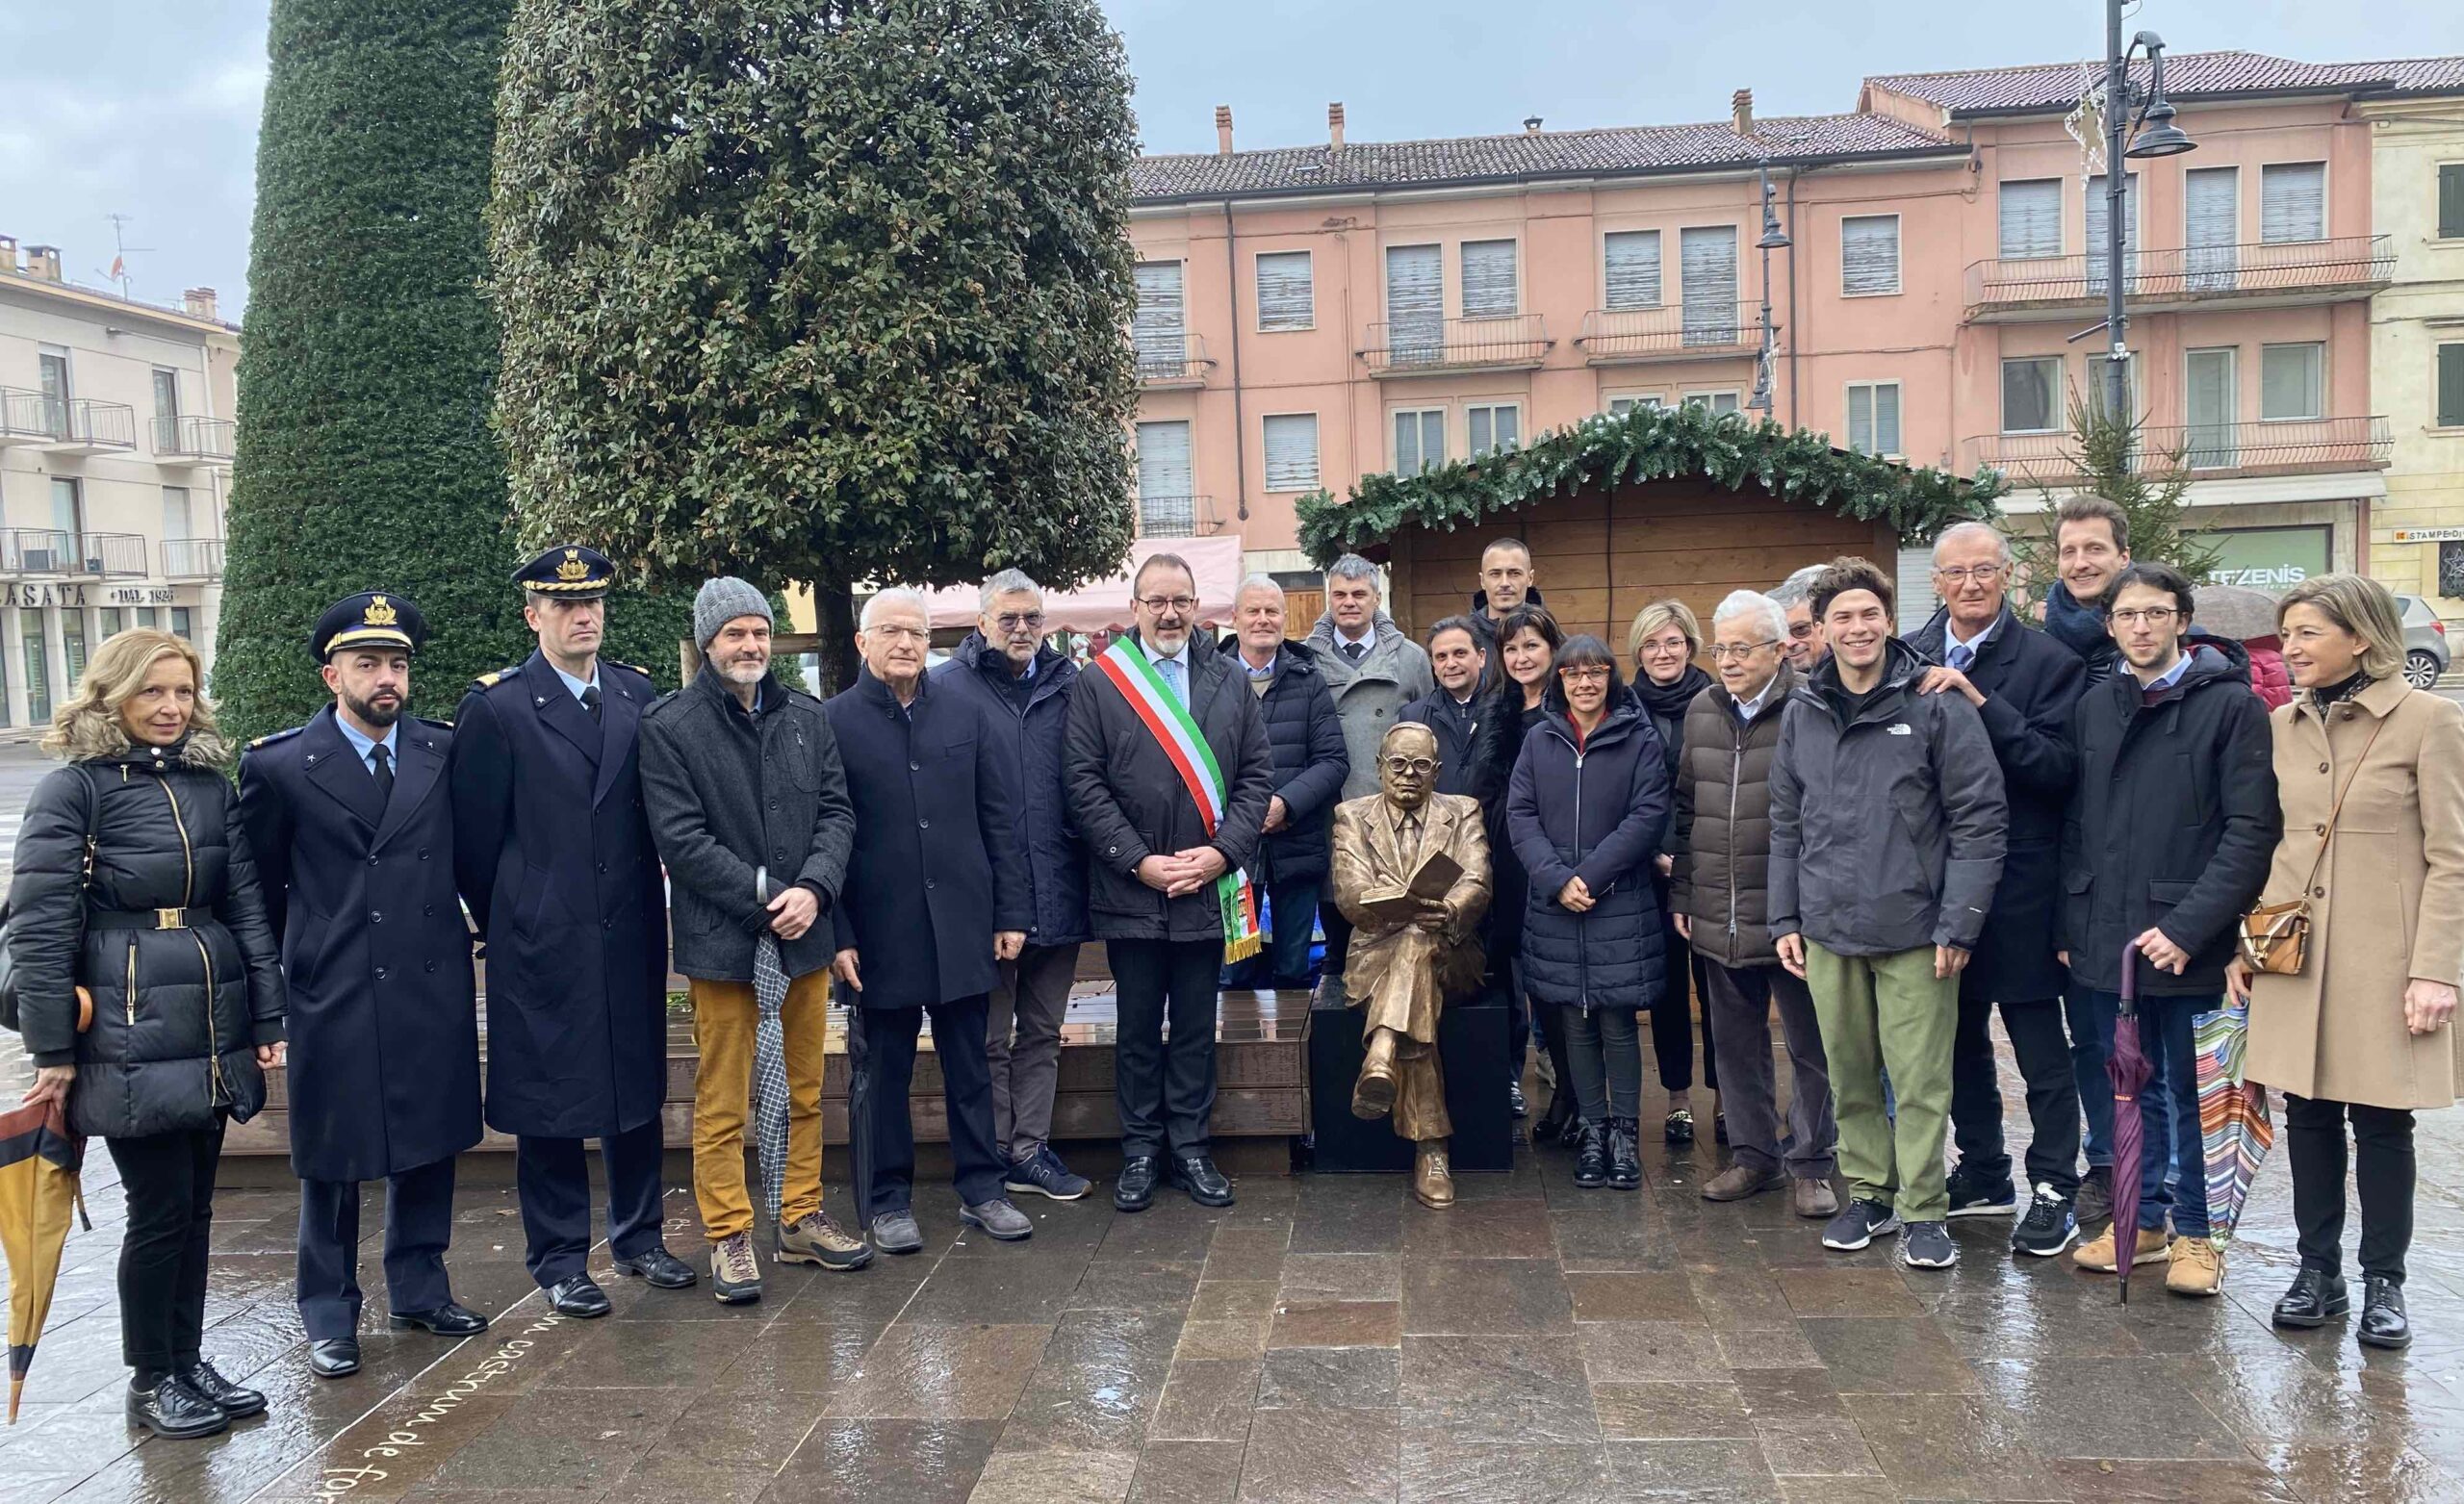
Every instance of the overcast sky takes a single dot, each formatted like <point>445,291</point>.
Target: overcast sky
<point>149,108</point>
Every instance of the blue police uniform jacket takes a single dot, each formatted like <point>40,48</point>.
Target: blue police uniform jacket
<point>384,1064</point>
<point>552,852</point>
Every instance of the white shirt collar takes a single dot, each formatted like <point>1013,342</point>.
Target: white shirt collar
<point>1951,637</point>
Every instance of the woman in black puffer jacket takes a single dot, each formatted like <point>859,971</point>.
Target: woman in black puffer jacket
<point>1586,809</point>
<point>133,883</point>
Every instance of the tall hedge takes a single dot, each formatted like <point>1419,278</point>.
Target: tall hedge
<point>369,362</point>
<point>825,290</point>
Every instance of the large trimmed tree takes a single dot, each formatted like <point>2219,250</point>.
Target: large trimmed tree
<point>818,290</point>
<point>369,367</point>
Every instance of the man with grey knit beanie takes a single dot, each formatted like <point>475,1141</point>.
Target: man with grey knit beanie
<point>748,804</point>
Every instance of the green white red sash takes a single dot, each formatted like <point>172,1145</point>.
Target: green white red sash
<point>1167,720</point>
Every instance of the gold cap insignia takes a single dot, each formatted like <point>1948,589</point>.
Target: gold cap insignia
<point>573,568</point>
<point>380,613</point>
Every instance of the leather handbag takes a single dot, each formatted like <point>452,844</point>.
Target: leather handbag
<point>2276,938</point>
<point>9,1017</point>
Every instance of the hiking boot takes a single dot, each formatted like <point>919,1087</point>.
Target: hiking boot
<point>815,1238</point>
<point>1814,1199</point>
<point>2098,1252</point>
<point>735,1274</point>
<point>2196,1268</point>
<point>1624,1158</point>
<point>1974,1196</point>
<point>2095,1201</point>
<point>1928,1245</point>
<point>2048,1228</point>
<point>1591,1155</point>
<point>1740,1181</point>
<point>1042,1173</point>
<point>1857,1224</point>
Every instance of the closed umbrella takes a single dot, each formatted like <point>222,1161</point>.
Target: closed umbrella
<point>39,1188</point>
<point>2235,611</point>
<point>770,1066</point>
<point>2129,1070</point>
<point>2235,1131</point>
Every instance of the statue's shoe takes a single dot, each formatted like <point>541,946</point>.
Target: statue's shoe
<point>1373,1095</point>
<point>1432,1184</point>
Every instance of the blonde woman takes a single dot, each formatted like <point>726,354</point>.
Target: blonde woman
<point>2362,1032</point>
<point>1664,644</point>
<point>134,887</point>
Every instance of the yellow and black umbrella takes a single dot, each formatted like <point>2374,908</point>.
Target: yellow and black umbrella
<point>39,1188</point>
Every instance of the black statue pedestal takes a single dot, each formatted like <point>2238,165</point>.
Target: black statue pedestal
<point>1470,1045</point>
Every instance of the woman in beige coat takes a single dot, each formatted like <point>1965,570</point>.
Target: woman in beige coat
<point>2362,1031</point>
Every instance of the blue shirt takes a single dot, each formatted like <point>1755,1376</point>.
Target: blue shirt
<point>1175,671</point>
<point>578,685</point>
<point>366,748</point>
<point>2173,676</point>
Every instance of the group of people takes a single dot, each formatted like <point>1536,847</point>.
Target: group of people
<point>1878,841</point>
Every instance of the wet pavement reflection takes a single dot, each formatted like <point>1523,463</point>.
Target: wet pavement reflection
<point>1324,1340</point>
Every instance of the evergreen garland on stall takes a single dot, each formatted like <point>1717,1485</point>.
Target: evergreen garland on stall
<point>1642,444</point>
<point>368,371</point>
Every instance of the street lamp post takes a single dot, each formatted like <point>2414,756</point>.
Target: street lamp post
<point>1774,237</point>
<point>2160,138</point>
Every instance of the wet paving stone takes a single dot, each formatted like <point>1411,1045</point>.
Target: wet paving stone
<point>1331,1378</point>
<point>1505,1296</point>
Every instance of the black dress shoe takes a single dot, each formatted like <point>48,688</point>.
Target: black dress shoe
<point>235,1401</point>
<point>2383,1322</point>
<point>662,1268</point>
<point>1557,1124</point>
<point>2316,1296</point>
<point>578,1295</point>
<point>1515,1101</point>
<point>1205,1183</point>
<point>1135,1190</point>
<point>450,1319</point>
<point>333,1357</point>
<point>173,1408</point>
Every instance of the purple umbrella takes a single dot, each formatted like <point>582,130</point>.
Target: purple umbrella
<point>2129,1070</point>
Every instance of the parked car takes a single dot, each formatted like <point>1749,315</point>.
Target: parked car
<point>2424,642</point>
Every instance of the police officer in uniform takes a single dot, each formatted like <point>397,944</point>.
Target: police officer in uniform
<point>350,816</point>
<point>552,852</point>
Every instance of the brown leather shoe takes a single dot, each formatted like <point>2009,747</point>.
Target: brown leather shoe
<point>1815,1199</point>
<point>1432,1184</point>
<point>1738,1181</point>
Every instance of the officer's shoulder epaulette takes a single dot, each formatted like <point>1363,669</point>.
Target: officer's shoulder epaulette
<point>489,680</point>
<point>634,667</point>
<point>271,737</point>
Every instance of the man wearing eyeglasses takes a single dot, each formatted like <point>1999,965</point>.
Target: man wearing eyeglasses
<point>1023,685</point>
<point>2023,684</point>
<point>1805,644</point>
<point>1168,775</point>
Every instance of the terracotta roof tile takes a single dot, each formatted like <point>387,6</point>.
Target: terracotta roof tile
<point>2189,75</point>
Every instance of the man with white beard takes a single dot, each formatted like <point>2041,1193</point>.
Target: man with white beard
<point>748,804</point>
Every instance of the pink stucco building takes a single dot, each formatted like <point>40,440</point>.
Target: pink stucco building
<point>1311,314</point>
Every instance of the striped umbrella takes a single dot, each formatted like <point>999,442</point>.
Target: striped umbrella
<point>39,1187</point>
<point>2129,1070</point>
<point>770,1067</point>
<point>2235,1131</point>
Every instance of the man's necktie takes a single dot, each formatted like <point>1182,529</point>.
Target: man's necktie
<point>384,768</point>
<point>1171,668</point>
<point>1961,655</point>
<point>1355,651</point>
<point>590,701</point>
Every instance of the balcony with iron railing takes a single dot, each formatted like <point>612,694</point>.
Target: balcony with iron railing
<point>65,425</point>
<point>191,559</point>
<point>1171,362</point>
<point>2007,289</point>
<point>1688,331</point>
<point>113,555</point>
<point>180,440</point>
<point>2276,446</point>
<point>1424,346</point>
<point>1176,517</point>
<point>36,551</point>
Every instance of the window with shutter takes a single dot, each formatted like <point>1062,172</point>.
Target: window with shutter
<point>1159,329</point>
<point>2030,216</point>
<point>2211,226</point>
<point>2292,201</point>
<point>2450,201</point>
<point>1873,417</point>
<point>2209,403</point>
<point>1164,507</point>
<point>2291,381</point>
<point>2031,394</point>
<point>1707,274</point>
<point>1620,406</point>
<point>1287,291</point>
<point>1868,255</point>
<point>2451,386</point>
<point>1292,451</point>
<point>1716,401</point>
<point>1420,440</point>
<point>1493,425</point>
<point>1415,304</point>
<point>2096,246</point>
<point>1631,259</point>
<point>1488,279</point>
<point>1918,599</point>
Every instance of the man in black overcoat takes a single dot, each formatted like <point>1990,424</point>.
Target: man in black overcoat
<point>937,895</point>
<point>355,832</point>
<point>2024,686</point>
<point>552,852</point>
